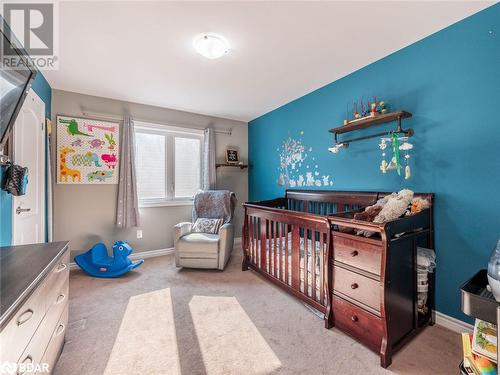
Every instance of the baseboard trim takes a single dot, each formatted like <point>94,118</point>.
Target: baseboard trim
<point>139,255</point>
<point>452,324</point>
<point>152,253</point>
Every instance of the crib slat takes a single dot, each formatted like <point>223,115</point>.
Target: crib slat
<point>306,266</point>
<point>250,237</point>
<point>256,240</point>
<point>280,254</point>
<point>263,243</point>
<point>295,257</point>
<point>287,258</point>
<point>274,225</point>
<point>270,241</point>
<point>322,269</point>
<point>313,264</point>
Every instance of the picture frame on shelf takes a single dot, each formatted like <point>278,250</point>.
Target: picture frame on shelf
<point>232,156</point>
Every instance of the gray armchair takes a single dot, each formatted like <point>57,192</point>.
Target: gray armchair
<point>206,250</point>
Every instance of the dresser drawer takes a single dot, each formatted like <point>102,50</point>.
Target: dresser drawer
<point>358,323</point>
<point>57,277</point>
<point>57,306</point>
<point>56,341</point>
<point>356,286</point>
<point>20,329</point>
<point>36,348</point>
<point>358,254</point>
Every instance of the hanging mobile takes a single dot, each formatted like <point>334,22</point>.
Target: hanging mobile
<point>395,162</point>
<point>406,147</point>
<point>383,165</point>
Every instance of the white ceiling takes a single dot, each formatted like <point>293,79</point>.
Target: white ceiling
<point>142,51</point>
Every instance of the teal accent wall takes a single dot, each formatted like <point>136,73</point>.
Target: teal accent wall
<point>450,81</point>
<point>44,91</point>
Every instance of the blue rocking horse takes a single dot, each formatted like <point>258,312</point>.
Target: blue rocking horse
<point>97,263</point>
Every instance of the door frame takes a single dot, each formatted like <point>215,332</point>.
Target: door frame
<point>32,95</point>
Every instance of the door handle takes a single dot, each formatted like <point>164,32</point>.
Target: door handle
<point>19,210</point>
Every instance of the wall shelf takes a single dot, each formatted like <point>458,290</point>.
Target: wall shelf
<point>241,166</point>
<point>373,121</point>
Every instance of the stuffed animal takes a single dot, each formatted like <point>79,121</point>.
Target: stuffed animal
<point>368,214</point>
<point>396,206</point>
<point>418,204</point>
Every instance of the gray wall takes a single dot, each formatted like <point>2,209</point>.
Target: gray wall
<point>85,214</point>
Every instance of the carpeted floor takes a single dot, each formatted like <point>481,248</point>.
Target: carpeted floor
<point>161,320</point>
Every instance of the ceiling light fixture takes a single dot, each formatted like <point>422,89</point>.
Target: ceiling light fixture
<point>210,45</point>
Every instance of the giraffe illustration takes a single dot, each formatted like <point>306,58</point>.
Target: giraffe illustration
<point>64,171</point>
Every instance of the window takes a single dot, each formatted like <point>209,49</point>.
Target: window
<point>168,164</point>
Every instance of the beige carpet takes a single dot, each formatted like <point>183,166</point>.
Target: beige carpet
<point>161,320</point>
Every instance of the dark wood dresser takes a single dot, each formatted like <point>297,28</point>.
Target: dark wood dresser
<point>374,282</point>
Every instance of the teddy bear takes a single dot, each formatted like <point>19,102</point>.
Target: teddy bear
<point>396,206</point>
<point>367,215</point>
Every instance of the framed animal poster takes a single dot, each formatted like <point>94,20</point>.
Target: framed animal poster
<point>87,151</point>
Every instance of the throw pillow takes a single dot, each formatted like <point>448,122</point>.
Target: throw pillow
<point>203,225</point>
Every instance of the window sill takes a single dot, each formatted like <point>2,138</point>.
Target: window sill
<point>165,203</point>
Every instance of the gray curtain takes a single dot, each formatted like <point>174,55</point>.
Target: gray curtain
<point>127,212</point>
<point>209,170</point>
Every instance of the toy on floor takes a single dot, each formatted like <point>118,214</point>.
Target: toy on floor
<point>96,261</point>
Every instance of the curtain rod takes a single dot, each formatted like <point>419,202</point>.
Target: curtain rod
<point>104,116</point>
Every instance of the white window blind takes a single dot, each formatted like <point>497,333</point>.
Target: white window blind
<point>168,164</point>
<point>187,166</point>
<point>151,166</point>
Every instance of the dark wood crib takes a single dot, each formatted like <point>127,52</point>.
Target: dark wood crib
<point>365,286</point>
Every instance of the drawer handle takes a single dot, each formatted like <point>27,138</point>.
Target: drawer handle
<point>28,359</point>
<point>60,298</point>
<point>354,286</point>
<point>354,318</point>
<point>61,267</point>
<point>60,329</point>
<point>25,316</point>
<point>354,253</point>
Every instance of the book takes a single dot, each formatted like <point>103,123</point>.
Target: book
<point>468,362</point>
<point>484,340</point>
<point>474,364</point>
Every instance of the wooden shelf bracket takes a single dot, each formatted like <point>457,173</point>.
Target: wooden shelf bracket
<point>372,121</point>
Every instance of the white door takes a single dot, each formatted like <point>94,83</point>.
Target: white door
<point>28,211</point>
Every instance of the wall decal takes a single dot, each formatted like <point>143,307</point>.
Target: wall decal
<point>291,172</point>
<point>87,151</point>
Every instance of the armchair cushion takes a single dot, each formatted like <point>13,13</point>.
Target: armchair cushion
<point>199,243</point>
<point>203,225</point>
